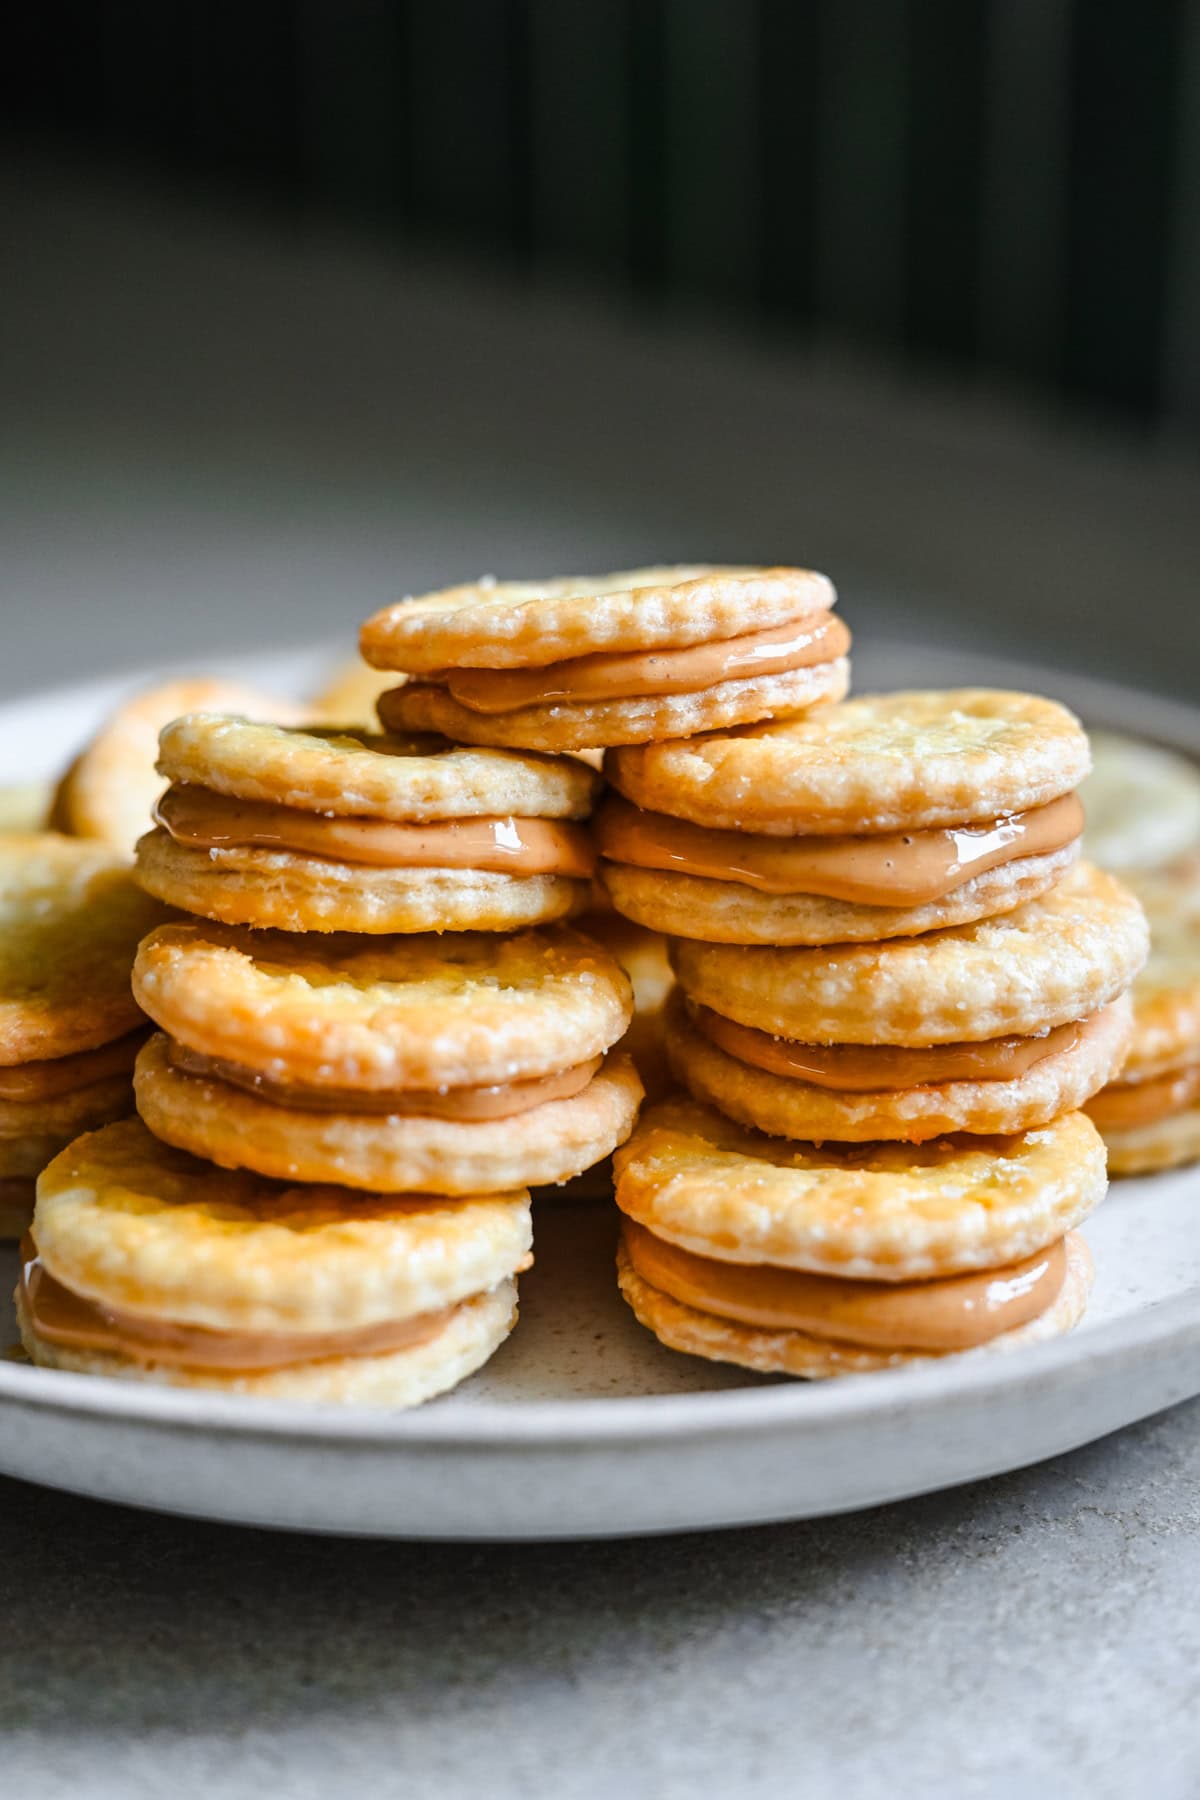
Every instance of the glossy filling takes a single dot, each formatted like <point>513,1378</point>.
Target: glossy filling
<point>210,821</point>
<point>636,674</point>
<point>954,1313</point>
<point>503,1100</point>
<point>909,868</point>
<point>874,1068</point>
<point>1124,1105</point>
<point>60,1316</point>
<point>33,1081</point>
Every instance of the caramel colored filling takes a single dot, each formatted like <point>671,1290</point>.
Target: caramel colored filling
<point>211,821</point>
<point>504,1100</point>
<point>1124,1105</point>
<point>871,1068</point>
<point>955,1313</point>
<point>633,674</point>
<point>33,1081</point>
<point>909,868</point>
<point>61,1316</point>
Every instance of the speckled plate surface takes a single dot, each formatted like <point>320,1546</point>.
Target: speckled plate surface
<point>582,1425</point>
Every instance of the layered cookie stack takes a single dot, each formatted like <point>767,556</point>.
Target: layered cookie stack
<point>885,948</point>
<point>326,1194</point>
<point>70,919</point>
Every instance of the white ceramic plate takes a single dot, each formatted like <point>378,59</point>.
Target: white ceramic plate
<point>582,1425</point>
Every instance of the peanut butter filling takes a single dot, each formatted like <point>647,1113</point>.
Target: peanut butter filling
<point>34,1081</point>
<point>58,1315</point>
<point>1124,1105</point>
<point>954,1313</point>
<point>212,821</point>
<point>634,674</point>
<point>909,868</point>
<point>504,1100</point>
<point>873,1068</point>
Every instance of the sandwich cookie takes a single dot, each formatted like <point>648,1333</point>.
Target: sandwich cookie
<point>109,791</point>
<point>456,1065</point>
<point>882,817</point>
<point>343,830</point>
<point>619,659</point>
<point>993,1027</point>
<point>1150,1115</point>
<point>1142,803</point>
<point>70,919</point>
<point>798,1261</point>
<point>146,1264</point>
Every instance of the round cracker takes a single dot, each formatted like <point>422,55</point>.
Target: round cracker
<point>474,1332</point>
<point>696,1333</point>
<point>1168,1143</point>
<point>409,778</point>
<point>881,1212</point>
<point>71,916</point>
<point>578,725</point>
<point>1057,958</point>
<point>527,624</point>
<point>730,912</point>
<point>1166,994</point>
<point>110,789</point>
<point>1142,803</point>
<point>287,891</point>
<point>790,1108</point>
<point>390,1155</point>
<point>133,1224</point>
<point>417,1012</point>
<point>882,762</point>
<point>33,1131</point>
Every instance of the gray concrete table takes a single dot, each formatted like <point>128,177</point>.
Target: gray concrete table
<point>211,439</point>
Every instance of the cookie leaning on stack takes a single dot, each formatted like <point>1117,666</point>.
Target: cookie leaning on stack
<point>70,919</point>
<point>620,659</point>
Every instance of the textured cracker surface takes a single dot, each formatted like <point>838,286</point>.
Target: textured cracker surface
<point>110,789</point>
<point>125,1219</point>
<point>1054,959</point>
<point>1167,992</point>
<point>729,912</point>
<point>1142,803</point>
<point>1168,1143</point>
<point>377,775</point>
<point>697,1333</point>
<point>520,624</point>
<point>799,1109</point>
<point>32,1131</point>
<point>878,763</point>
<point>70,919</point>
<point>234,1129</point>
<point>463,1009</point>
<point>287,891</point>
<point>580,725</point>
<point>475,1331</point>
<point>888,1212</point>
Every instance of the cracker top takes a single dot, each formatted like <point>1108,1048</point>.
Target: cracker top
<point>1057,958</point>
<point>135,1225</point>
<point>70,919</point>
<point>527,624</point>
<point>1143,804</point>
<point>878,763</point>
<point>883,1212</point>
<point>462,1009</point>
<point>1166,1031</point>
<point>413,778</point>
<point>110,789</point>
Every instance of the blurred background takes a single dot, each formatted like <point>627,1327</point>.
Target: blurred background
<point>311,303</point>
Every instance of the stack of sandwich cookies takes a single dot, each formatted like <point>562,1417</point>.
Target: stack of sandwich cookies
<point>1150,1115</point>
<point>70,919</point>
<point>150,1265</point>
<point>818,1262</point>
<point>452,1065</point>
<point>621,659</point>
<point>337,830</point>
<point>998,1026</point>
<point>883,817</point>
